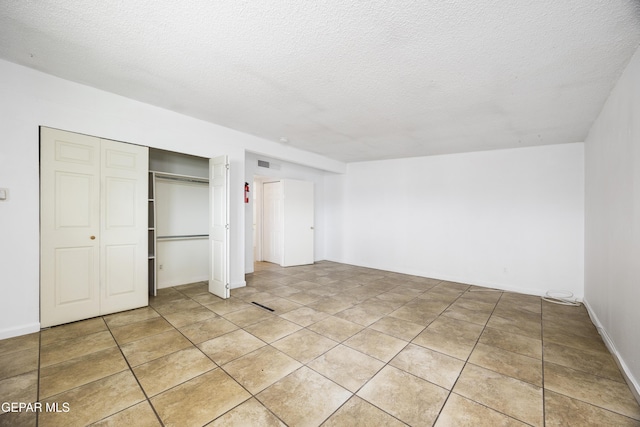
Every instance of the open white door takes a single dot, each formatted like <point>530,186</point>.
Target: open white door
<point>273,221</point>
<point>298,231</point>
<point>219,226</point>
<point>288,222</point>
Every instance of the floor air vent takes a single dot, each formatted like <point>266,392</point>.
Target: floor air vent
<point>263,306</point>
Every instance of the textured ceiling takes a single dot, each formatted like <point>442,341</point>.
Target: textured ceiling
<point>352,80</point>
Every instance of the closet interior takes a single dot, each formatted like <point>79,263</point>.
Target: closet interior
<point>178,219</point>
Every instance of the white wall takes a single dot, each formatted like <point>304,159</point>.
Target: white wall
<point>612,221</point>
<point>29,99</point>
<point>284,169</point>
<point>510,219</point>
<point>182,261</point>
<point>334,219</point>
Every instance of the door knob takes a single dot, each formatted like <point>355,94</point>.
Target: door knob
<point>93,237</point>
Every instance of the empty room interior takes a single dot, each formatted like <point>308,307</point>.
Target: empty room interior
<point>327,213</point>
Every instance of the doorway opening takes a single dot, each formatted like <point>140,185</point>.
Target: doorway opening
<point>283,221</point>
<point>191,221</point>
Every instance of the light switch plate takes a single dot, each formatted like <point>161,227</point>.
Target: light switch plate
<point>4,194</point>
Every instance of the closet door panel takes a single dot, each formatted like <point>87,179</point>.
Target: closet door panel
<point>120,270</point>
<point>120,203</point>
<point>74,271</point>
<point>123,249</point>
<point>70,226</point>
<point>75,196</point>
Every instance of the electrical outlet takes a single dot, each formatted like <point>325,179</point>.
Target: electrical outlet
<point>160,267</point>
<point>4,194</point>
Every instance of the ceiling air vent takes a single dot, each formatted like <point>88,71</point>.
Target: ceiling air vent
<point>263,164</point>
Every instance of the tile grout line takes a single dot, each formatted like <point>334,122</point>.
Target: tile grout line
<point>252,396</point>
<point>38,376</point>
<point>476,342</point>
<point>353,394</point>
<point>595,374</point>
<point>267,344</point>
<point>338,343</point>
<point>466,362</point>
<point>467,359</point>
<point>147,399</point>
<point>385,364</point>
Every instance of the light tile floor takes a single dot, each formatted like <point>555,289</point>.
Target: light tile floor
<point>344,346</point>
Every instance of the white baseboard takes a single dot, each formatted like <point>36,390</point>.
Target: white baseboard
<point>21,330</point>
<point>633,383</point>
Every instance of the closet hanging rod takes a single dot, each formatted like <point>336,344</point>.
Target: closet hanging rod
<point>184,236</point>
<point>175,177</point>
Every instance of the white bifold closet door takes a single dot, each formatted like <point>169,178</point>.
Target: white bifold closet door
<point>219,226</point>
<point>93,208</point>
